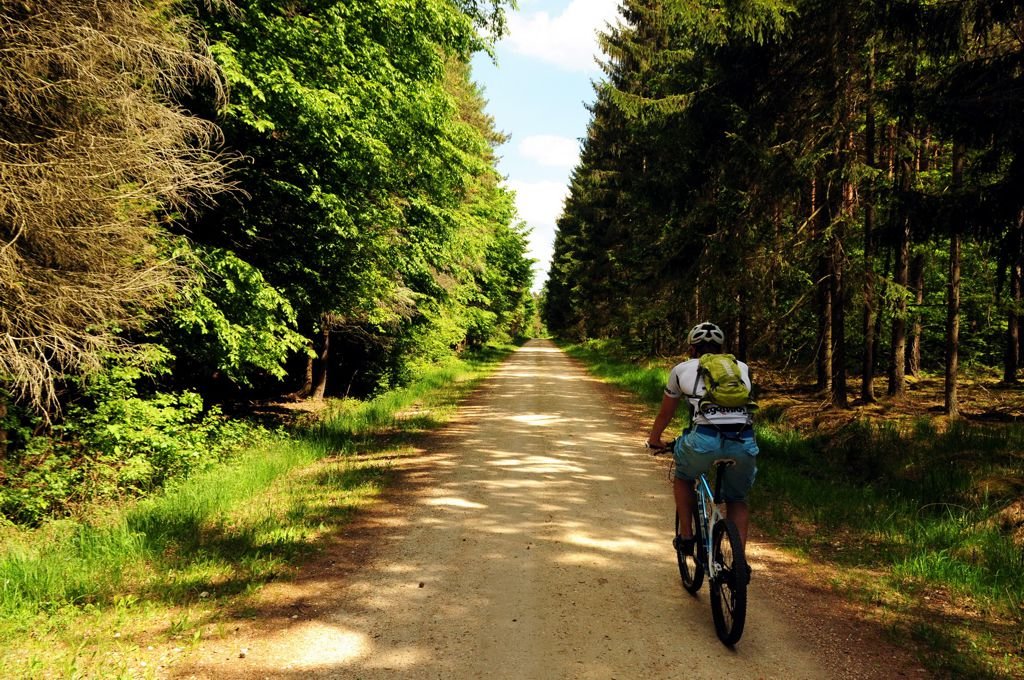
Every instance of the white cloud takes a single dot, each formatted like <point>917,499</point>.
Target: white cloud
<point>551,150</point>
<point>540,204</point>
<point>568,40</point>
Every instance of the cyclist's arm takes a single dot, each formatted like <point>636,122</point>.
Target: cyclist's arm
<point>661,421</point>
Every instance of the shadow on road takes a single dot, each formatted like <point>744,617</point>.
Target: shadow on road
<point>529,540</point>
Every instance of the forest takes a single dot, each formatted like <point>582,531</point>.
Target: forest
<point>215,213</point>
<point>208,203</point>
<point>838,184</point>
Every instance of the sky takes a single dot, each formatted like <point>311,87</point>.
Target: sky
<point>537,90</point>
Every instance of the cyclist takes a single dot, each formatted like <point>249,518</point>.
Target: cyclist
<point>710,433</point>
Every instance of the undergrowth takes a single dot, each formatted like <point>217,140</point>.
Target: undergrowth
<point>90,595</point>
<point>114,442</point>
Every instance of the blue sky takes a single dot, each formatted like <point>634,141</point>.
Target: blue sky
<point>537,93</point>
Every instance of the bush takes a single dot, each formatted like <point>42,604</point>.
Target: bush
<point>115,443</point>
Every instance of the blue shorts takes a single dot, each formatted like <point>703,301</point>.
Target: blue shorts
<point>697,450</point>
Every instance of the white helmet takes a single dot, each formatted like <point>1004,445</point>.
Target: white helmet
<point>706,332</point>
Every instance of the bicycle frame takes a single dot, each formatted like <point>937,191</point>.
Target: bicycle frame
<point>709,512</point>
<point>719,556</point>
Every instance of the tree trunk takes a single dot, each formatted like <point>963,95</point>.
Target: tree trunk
<point>953,297</point>
<point>953,326</point>
<point>320,381</point>
<point>838,322</point>
<point>867,386</point>
<point>906,163</point>
<point>913,366</point>
<point>735,339</point>
<point>824,330</point>
<point>916,280</point>
<point>823,282</point>
<point>889,155</point>
<point>307,379</point>
<point>883,290</point>
<point>1011,363</point>
<point>697,306</point>
<point>843,201</point>
<point>897,368</point>
<point>1020,317</point>
<point>774,337</point>
<point>841,196</point>
<point>742,339</point>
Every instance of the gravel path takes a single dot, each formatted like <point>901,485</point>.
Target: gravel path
<point>531,541</point>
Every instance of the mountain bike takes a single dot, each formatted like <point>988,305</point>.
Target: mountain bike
<point>718,554</point>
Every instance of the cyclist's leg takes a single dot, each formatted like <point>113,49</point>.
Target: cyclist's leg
<point>738,481</point>
<point>739,513</point>
<point>686,501</point>
<point>693,453</point>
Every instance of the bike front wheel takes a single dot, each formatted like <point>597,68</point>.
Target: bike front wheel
<point>691,569</point>
<point>729,585</point>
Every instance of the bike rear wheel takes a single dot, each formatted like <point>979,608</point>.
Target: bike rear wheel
<point>729,586</point>
<point>691,570</point>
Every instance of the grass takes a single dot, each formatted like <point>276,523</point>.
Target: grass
<point>607,360</point>
<point>120,592</point>
<point>901,509</point>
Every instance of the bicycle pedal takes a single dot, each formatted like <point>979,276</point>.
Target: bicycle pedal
<point>683,545</point>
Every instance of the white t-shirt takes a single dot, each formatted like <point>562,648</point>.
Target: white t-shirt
<point>684,381</point>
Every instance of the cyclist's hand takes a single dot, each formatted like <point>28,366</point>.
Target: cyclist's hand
<point>656,446</point>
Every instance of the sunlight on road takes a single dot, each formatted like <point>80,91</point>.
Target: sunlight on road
<point>330,646</point>
<point>537,464</point>
<point>457,503</point>
<point>536,419</point>
<point>532,542</point>
<point>587,559</point>
<point>618,545</point>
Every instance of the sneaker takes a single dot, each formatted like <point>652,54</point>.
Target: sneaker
<point>684,545</point>
<point>744,575</point>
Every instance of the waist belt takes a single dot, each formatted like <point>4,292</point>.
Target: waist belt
<point>742,430</point>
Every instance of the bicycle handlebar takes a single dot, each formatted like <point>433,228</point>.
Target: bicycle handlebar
<point>655,450</point>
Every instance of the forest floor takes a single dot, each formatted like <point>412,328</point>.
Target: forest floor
<point>984,400</point>
<point>530,539</point>
<point>981,398</point>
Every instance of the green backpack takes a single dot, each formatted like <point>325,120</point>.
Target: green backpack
<point>723,381</point>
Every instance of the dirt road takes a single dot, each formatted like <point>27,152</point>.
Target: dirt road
<point>532,541</point>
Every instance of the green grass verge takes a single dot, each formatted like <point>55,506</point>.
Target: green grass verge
<point>905,513</point>
<point>119,593</point>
